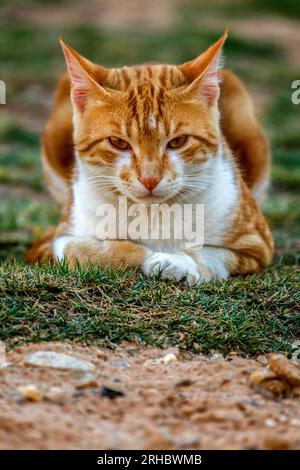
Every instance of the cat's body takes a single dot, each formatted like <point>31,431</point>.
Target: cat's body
<point>151,133</point>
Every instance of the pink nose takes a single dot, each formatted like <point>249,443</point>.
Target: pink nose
<point>150,183</point>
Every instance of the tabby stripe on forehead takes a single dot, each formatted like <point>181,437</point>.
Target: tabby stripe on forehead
<point>128,124</point>
<point>178,127</point>
<point>126,77</point>
<point>172,75</point>
<point>132,102</point>
<point>163,76</point>
<point>138,73</point>
<point>160,101</point>
<point>151,90</point>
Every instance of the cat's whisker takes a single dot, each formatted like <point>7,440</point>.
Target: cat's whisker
<point>97,184</point>
<point>110,183</point>
<point>112,178</point>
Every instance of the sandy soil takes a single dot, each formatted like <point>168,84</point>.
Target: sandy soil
<point>193,402</point>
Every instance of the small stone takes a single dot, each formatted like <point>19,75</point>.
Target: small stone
<point>226,377</point>
<point>111,393</point>
<point>152,362</point>
<point>172,350</point>
<point>261,375</point>
<point>231,356</point>
<point>120,363</point>
<point>161,360</point>
<point>30,392</point>
<point>88,380</point>
<point>285,369</point>
<point>295,422</point>
<point>118,379</point>
<point>57,360</point>
<point>282,418</point>
<point>280,378</point>
<point>217,357</point>
<point>254,403</point>
<point>265,380</point>
<point>184,383</point>
<point>171,357</point>
<point>270,423</point>
<point>4,366</point>
<point>263,360</point>
<point>54,394</point>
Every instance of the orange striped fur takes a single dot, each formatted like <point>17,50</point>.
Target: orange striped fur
<point>158,133</point>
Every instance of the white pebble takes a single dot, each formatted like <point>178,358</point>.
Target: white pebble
<point>270,423</point>
<point>161,360</point>
<point>57,360</point>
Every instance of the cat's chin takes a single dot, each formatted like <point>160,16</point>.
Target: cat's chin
<point>149,199</point>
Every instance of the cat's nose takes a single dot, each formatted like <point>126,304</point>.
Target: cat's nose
<point>150,182</point>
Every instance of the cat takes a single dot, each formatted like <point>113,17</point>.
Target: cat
<point>157,133</point>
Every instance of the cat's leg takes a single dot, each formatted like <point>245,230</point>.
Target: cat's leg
<point>101,253</point>
<point>191,267</point>
<point>208,263</point>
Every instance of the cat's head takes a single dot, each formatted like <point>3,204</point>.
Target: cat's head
<point>146,131</point>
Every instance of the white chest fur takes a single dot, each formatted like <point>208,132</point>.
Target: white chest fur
<point>218,202</point>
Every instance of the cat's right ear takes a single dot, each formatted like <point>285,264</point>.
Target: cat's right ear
<point>85,78</point>
<point>203,73</point>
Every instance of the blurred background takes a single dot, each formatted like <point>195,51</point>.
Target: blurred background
<point>263,48</point>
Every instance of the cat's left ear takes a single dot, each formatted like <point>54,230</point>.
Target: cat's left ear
<point>203,73</point>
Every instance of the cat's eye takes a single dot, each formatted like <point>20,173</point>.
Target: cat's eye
<point>177,142</point>
<point>119,143</point>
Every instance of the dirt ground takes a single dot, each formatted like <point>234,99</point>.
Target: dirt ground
<point>191,402</point>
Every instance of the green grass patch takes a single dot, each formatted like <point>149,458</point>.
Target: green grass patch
<point>107,306</point>
<point>251,315</point>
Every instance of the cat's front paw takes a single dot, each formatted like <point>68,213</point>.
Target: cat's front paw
<point>172,266</point>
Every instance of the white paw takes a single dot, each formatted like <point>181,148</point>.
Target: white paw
<point>172,266</point>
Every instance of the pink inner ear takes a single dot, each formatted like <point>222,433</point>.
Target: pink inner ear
<point>210,80</point>
<point>79,97</point>
<point>79,84</point>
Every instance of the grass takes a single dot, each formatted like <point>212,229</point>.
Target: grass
<point>251,315</point>
<point>105,307</point>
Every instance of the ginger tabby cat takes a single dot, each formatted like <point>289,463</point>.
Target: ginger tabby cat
<point>157,133</point>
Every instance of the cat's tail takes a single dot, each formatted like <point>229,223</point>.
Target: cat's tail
<point>244,134</point>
